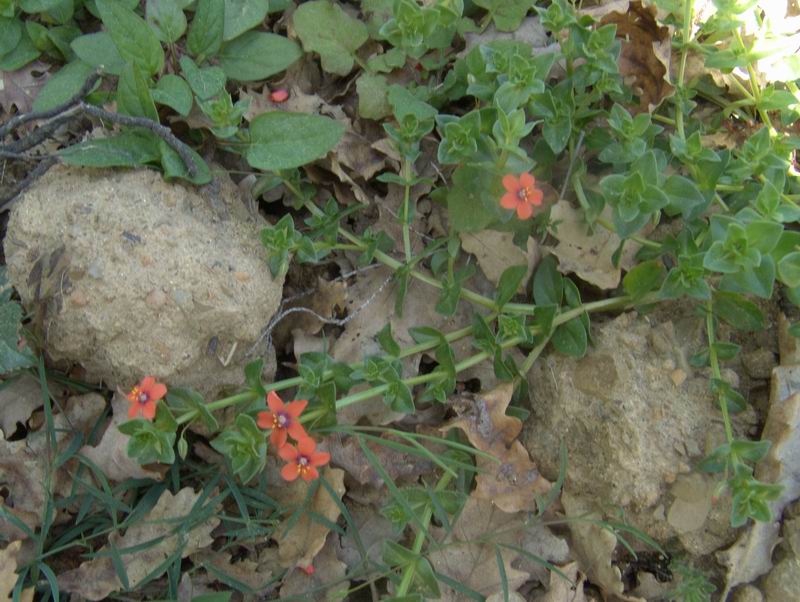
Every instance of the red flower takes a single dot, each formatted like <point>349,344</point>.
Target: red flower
<point>282,419</point>
<point>521,194</point>
<point>302,460</point>
<point>143,398</point>
<point>280,95</point>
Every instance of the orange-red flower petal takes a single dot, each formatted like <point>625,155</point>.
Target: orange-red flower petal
<point>283,419</point>
<point>521,194</point>
<point>303,460</point>
<point>144,397</point>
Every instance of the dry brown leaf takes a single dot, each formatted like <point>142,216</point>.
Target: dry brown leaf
<point>8,573</point>
<point>193,585</point>
<point>588,255</point>
<point>111,454</point>
<point>348,455</point>
<point>469,555</point>
<point>327,582</point>
<point>561,590</point>
<point>326,299</point>
<point>23,465</point>
<point>514,483</point>
<point>18,399</point>
<point>245,571</point>
<point>372,528</point>
<point>496,251</point>
<point>751,555</point>
<point>475,565</point>
<point>593,545</point>
<point>644,59</point>
<point>299,544</point>
<point>95,579</point>
<point>21,87</point>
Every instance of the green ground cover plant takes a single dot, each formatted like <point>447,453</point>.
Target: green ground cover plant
<point>515,128</point>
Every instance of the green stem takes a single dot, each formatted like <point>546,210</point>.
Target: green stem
<point>755,87</point>
<point>664,119</point>
<point>636,238</point>
<point>715,371</point>
<point>405,173</point>
<point>396,265</point>
<point>604,305</point>
<point>419,540</point>
<point>533,356</point>
<point>729,188</point>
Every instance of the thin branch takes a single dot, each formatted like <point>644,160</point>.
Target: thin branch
<point>40,134</point>
<point>161,131</point>
<point>33,175</point>
<point>18,120</point>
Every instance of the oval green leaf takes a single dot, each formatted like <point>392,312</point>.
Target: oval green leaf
<point>257,55</point>
<point>281,140</point>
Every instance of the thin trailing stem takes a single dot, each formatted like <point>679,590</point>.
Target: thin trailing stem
<point>715,370</point>
<point>419,540</point>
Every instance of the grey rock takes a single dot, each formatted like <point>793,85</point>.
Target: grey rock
<point>625,424</point>
<point>748,593</point>
<point>783,582</point>
<point>117,265</point>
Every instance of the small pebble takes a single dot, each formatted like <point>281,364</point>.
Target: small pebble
<point>242,276</point>
<point>678,377</point>
<point>155,298</point>
<point>79,298</point>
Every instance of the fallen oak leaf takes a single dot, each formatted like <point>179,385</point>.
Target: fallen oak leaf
<point>512,481</point>
<point>321,581</point>
<point>469,555</point>
<point>220,567</point>
<point>24,464</point>
<point>644,59</point>
<point>301,538</point>
<point>164,525</point>
<point>8,573</point>
<point>483,418</point>
<point>590,255</point>
<point>594,547</point>
<point>111,454</point>
<point>348,455</point>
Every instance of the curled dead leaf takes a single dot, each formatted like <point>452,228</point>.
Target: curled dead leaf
<point>589,254</point>
<point>300,541</point>
<point>512,482</point>
<point>644,59</point>
<point>324,581</point>
<point>348,455</point>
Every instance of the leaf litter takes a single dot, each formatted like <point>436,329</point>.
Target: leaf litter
<point>478,550</point>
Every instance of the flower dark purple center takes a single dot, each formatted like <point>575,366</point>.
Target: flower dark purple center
<point>302,461</point>
<point>282,419</point>
<point>143,397</point>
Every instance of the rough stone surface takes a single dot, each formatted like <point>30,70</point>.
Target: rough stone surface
<point>783,581</point>
<point>748,593</point>
<point>132,275</point>
<point>630,431</point>
<point>759,363</point>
